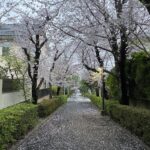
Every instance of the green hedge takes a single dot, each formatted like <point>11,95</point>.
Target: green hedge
<point>46,107</point>
<point>15,121</point>
<point>98,102</point>
<point>135,119</point>
<point>54,90</point>
<point>62,98</point>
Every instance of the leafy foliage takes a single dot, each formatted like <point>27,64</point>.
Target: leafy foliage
<point>135,119</point>
<point>84,86</point>
<point>17,69</point>
<point>113,87</point>
<point>46,107</point>
<point>16,121</point>
<point>138,74</point>
<point>98,102</point>
<point>54,90</point>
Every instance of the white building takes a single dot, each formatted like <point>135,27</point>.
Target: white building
<point>9,95</point>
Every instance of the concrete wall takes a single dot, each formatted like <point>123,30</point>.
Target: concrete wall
<point>8,99</point>
<point>0,51</point>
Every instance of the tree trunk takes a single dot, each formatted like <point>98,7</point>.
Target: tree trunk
<point>34,77</point>
<point>123,84</point>
<point>66,91</point>
<point>122,67</point>
<point>24,89</point>
<point>34,93</point>
<point>97,92</point>
<point>50,91</point>
<point>117,73</point>
<point>35,70</point>
<point>58,90</point>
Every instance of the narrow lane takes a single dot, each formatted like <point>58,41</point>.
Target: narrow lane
<point>78,125</point>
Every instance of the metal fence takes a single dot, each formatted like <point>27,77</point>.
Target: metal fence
<point>10,85</point>
<point>43,92</point>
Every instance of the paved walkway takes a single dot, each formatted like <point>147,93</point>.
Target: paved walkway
<point>78,125</point>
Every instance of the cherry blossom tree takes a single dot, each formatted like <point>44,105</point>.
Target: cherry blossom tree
<point>108,32</point>
<point>32,36</point>
<point>6,7</point>
<point>60,67</point>
<point>107,27</point>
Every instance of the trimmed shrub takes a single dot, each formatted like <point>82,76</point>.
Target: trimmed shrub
<point>62,99</point>
<point>137,120</point>
<point>16,121</point>
<point>46,107</point>
<point>54,90</point>
<point>96,100</point>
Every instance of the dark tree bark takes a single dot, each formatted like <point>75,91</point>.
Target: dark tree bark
<point>122,67</point>
<point>120,54</point>
<point>123,80</point>
<point>58,90</point>
<point>56,57</point>
<point>97,92</point>
<point>50,91</point>
<point>119,50</point>
<point>34,76</point>
<point>35,70</point>
<point>34,93</point>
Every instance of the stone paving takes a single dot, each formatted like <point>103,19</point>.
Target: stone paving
<point>78,125</point>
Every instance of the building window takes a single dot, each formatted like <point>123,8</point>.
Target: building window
<point>5,51</point>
